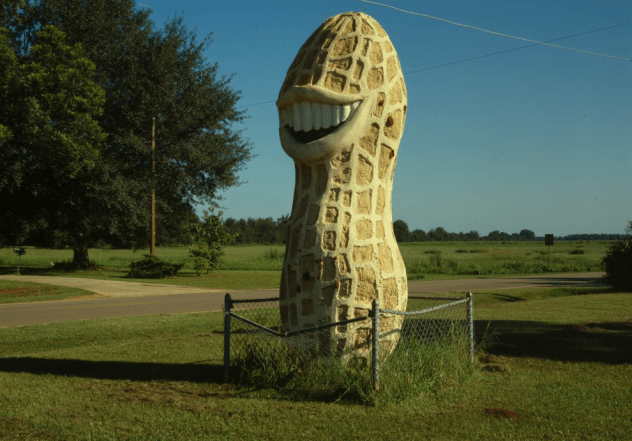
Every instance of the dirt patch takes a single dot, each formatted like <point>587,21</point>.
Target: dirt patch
<point>501,413</point>
<point>85,297</point>
<point>172,394</point>
<point>605,327</point>
<point>26,292</point>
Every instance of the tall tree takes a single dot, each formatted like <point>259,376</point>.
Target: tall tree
<point>146,73</point>
<point>49,102</point>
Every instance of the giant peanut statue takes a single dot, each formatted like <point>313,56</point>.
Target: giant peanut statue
<point>342,109</point>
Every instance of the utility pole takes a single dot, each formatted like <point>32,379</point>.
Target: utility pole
<point>152,248</point>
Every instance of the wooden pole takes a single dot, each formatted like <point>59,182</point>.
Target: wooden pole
<point>152,248</point>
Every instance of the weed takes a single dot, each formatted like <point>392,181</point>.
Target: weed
<point>274,254</point>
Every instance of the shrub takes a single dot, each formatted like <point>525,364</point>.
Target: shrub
<point>274,254</point>
<point>617,263</point>
<point>152,267</point>
<point>211,236</point>
<point>577,251</point>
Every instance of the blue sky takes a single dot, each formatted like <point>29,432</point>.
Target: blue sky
<point>538,138</point>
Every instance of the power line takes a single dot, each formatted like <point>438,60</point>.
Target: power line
<point>516,48</point>
<point>476,58</point>
<point>256,104</point>
<point>495,33</point>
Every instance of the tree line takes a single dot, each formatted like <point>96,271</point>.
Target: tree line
<point>271,231</point>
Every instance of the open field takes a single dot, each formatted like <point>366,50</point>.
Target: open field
<point>559,367</point>
<point>259,266</point>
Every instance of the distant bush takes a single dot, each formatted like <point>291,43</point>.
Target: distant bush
<point>577,251</point>
<point>152,267</point>
<point>473,250</point>
<point>617,263</point>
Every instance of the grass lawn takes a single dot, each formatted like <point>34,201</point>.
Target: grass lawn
<point>259,266</point>
<point>559,367</point>
<point>14,292</point>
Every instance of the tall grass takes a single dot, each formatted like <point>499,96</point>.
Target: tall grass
<point>416,367</point>
<point>419,367</point>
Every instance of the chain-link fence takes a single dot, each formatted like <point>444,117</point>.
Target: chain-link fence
<point>416,349</point>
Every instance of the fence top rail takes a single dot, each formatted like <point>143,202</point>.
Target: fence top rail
<point>300,331</point>
<point>254,300</point>
<point>271,299</point>
<point>423,311</point>
<point>435,298</point>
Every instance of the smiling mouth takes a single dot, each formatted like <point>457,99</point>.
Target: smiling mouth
<point>308,121</point>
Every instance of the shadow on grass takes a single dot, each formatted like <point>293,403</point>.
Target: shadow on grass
<point>609,342</point>
<point>114,370</point>
<point>31,271</point>
<point>570,281</point>
<point>507,299</point>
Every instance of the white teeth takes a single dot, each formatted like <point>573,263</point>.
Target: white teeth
<point>296,110</point>
<point>326,114</point>
<point>307,116</point>
<point>306,113</point>
<point>346,110</point>
<point>317,112</point>
<point>335,115</point>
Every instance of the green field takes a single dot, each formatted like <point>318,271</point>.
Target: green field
<point>259,266</point>
<point>559,367</point>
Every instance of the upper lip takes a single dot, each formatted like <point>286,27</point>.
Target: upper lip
<point>313,94</point>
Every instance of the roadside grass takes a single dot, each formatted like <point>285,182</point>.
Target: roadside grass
<point>18,292</point>
<point>559,367</point>
<point>423,260</point>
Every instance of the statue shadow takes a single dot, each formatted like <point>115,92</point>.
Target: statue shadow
<point>115,370</point>
<point>608,342</point>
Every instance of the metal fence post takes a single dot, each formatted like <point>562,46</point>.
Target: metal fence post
<point>470,325</point>
<point>227,307</point>
<point>375,343</point>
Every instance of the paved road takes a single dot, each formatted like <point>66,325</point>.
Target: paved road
<point>131,299</point>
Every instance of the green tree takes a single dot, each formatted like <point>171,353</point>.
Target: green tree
<point>617,263</point>
<point>527,235</point>
<point>400,228</point>
<point>419,235</point>
<point>146,73</point>
<point>49,109</point>
<point>210,237</point>
<point>438,233</point>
